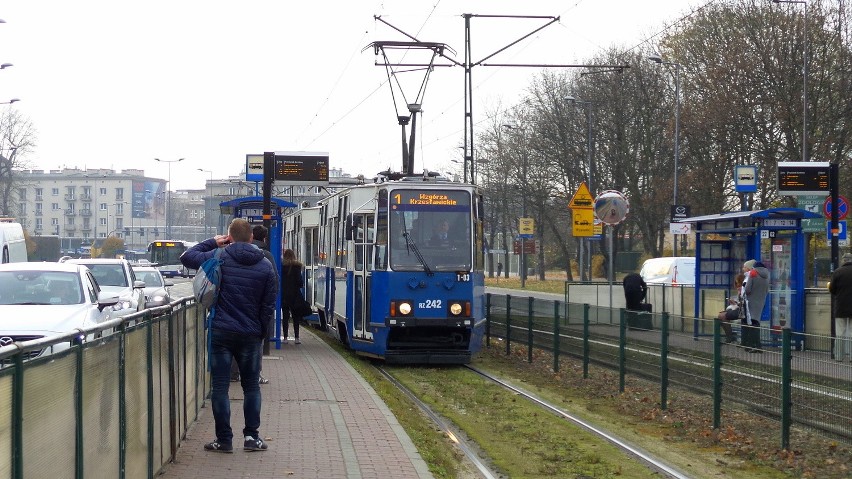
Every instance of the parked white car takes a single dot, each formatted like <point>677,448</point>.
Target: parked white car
<point>672,270</point>
<point>46,299</point>
<point>156,288</point>
<point>116,276</point>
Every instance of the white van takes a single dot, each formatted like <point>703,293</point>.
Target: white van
<point>12,242</point>
<point>674,270</point>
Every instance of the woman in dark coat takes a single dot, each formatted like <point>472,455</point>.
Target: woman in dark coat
<point>291,292</point>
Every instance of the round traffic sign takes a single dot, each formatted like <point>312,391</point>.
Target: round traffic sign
<point>842,207</point>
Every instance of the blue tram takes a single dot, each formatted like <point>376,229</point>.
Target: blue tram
<point>395,268</point>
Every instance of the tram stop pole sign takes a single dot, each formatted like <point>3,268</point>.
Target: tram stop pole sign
<point>583,212</point>
<point>526,227</point>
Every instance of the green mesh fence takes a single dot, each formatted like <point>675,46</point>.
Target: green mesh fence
<point>819,389</point>
<point>76,419</point>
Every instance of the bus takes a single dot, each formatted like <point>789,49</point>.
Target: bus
<point>165,256</point>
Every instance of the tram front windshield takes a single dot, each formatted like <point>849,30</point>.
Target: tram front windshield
<point>430,230</point>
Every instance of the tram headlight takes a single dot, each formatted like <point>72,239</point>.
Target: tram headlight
<point>401,308</point>
<point>459,308</point>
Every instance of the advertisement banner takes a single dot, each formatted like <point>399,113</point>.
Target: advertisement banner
<point>149,200</point>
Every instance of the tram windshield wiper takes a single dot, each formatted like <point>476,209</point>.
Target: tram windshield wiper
<point>411,246</point>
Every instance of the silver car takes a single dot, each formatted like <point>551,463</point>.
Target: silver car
<point>115,275</point>
<point>156,288</point>
<point>46,299</point>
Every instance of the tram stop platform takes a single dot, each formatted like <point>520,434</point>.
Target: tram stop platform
<point>320,419</point>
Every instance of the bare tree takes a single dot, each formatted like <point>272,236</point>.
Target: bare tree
<point>17,138</point>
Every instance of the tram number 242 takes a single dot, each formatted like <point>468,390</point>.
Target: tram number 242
<point>431,304</point>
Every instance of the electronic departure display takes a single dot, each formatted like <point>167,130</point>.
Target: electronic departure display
<point>430,199</point>
<point>301,168</point>
<point>803,178</point>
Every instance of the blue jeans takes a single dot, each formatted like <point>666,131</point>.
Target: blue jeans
<point>247,351</point>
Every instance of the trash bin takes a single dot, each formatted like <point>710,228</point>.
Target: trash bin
<point>641,320</point>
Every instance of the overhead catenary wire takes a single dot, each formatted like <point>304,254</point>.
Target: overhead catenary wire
<point>333,87</point>
<point>433,119</point>
<point>644,41</point>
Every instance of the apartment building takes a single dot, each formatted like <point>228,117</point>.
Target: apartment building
<point>86,205</point>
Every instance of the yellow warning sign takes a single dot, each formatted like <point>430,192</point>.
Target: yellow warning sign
<point>584,222</point>
<point>582,198</point>
<point>526,227</point>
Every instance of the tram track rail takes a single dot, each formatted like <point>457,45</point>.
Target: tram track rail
<point>821,399</point>
<point>653,463</point>
<point>483,469</point>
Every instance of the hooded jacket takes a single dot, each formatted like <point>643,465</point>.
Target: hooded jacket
<point>841,288</point>
<point>756,289</point>
<point>246,302</point>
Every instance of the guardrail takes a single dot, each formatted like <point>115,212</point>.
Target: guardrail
<point>110,401</point>
<point>680,301</point>
<point>804,387</point>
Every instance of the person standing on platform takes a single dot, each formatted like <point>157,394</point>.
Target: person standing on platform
<point>291,293</point>
<point>755,290</point>
<point>635,291</point>
<point>840,288</point>
<point>259,239</point>
<point>245,303</point>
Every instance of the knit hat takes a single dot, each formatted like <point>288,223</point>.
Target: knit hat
<point>847,258</point>
<point>749,264</point>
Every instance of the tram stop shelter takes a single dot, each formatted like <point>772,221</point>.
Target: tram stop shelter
<point>772,236</point>
<point>251,208</point>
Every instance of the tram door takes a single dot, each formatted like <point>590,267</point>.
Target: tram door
<point>362,236</point>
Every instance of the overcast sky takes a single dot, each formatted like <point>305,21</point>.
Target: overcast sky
<point>113,84</point>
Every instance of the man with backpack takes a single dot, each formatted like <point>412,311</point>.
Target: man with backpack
<point>239,321</point>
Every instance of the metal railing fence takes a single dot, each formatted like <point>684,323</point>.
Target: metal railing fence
<point>134,386</point>
<point>804,387</point>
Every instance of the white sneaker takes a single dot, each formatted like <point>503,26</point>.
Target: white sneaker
<point>297,341</point>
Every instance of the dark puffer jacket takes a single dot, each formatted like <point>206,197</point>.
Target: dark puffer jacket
<point>249,287</point>
<point>841,287</point>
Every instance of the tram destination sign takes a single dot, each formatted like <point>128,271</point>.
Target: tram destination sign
<point>803,178</point>
<point>429,199</point>
<point>301,168</point>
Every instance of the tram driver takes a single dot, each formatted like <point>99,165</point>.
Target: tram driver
<point>441,234</point>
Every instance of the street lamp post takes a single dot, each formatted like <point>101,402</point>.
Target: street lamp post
<point>590,162</point>
<point>522,240</point>
<point>804,74</point>
<point>169,196</point>
<point>656,58</point>
<point>209,198</point>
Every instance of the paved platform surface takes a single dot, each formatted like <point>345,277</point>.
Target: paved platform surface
<point>320,419</point>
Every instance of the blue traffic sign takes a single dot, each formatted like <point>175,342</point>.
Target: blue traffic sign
<point>841,226</point>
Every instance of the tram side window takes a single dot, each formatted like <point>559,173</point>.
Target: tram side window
<point>326,239</point>
<point>358,238</point>
<point>381,253</point>
<point>340,222</point>
<point>312,242</point>
<point>479,252</point>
